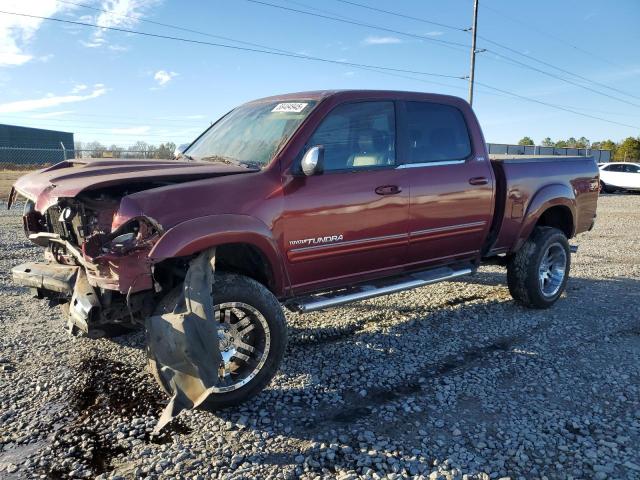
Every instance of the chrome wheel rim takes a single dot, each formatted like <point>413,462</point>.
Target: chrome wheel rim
<point>244,340</point>
<point>552,270</point>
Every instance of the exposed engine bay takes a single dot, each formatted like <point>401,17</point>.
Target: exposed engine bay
<point>105,276</point>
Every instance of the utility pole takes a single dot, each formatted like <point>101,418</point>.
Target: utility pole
<point>473,50</point>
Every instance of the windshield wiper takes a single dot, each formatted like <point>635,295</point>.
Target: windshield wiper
<point>230,161</point>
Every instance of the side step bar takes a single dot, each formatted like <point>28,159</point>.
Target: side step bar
<point>376,289</point>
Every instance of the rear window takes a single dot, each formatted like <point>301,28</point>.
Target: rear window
<point>436,133</point>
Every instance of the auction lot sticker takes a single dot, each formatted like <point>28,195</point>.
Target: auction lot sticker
<point>289,107</point>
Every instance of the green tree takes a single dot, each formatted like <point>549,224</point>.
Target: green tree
<point>583,142</point>
<point>525,141</point>
<point>605,145</point>
<point>547,142</point>
<point>628,150</point>
<point>561,144</point>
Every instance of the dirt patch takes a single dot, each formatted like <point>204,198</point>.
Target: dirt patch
<point>7,179</point>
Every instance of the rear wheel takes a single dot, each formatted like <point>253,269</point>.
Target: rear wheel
<point>537,274</point>
<point>252,337</point>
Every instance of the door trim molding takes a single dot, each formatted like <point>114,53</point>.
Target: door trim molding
<point>431,164</point>
<point>448,230</point>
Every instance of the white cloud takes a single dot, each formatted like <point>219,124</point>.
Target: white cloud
<point>118,13</point>
<point>373,40</point>
<point>435,33</point>
<point>131,130</point>
<point>52,114</point>
<point>50,100</point>
<point>163,77</point>
<point>79,88</point>
<point>17,32</point>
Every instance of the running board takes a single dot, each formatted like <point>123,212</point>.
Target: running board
<point>376,289</point>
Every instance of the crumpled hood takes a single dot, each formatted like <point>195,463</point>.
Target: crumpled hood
<point>69,178</point>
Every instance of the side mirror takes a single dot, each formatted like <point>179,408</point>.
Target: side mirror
<point>180,149</point>
<point>312,161</point>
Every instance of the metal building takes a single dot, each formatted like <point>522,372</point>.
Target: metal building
<point>26,145</point>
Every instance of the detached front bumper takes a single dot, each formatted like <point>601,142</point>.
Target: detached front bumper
<point>46,276</point>
<point>63,282</point>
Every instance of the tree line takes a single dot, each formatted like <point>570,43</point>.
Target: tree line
<point>624,150</point>
<point>137,150</point>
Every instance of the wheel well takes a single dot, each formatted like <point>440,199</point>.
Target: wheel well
<point>245,259</point>
<point>559,217</point>
<point>241,258</point>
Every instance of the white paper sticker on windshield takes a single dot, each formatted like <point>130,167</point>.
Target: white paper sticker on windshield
<point>289,107</point>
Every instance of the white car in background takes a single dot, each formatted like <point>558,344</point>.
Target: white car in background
<point>619,176</point>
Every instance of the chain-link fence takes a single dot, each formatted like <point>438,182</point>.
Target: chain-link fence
<point>601,156</point>
<point>18,158</point>
<point>14,158</point>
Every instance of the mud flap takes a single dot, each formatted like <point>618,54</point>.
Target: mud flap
<point>182,346</point>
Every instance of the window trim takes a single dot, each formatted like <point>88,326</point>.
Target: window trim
<point>403,145</point>
<point>396,120</point>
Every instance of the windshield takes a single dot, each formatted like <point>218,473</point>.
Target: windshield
<point>251,134</point>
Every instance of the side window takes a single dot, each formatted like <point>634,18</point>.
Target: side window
<point>436,133</point>
<point>631,169</point>
<point>358,135</point>
<point>615,168</point>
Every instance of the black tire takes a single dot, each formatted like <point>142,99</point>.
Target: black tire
<point>523,268</point>
<point>229,287</point>
<point>604,188</point>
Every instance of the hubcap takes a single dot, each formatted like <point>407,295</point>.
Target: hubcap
<point>553,268</point>
<point>244,340</point>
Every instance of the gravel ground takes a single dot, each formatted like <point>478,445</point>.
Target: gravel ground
<point>449,381</point>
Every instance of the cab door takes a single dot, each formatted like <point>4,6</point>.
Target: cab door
<point>349,222</point>
<point>451,205</point>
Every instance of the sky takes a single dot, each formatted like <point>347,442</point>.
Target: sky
<point>118,88</point>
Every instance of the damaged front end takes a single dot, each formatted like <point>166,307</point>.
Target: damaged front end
<point>96,263</point>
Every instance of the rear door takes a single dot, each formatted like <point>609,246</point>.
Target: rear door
<point>631,176</point>
<point>351,220</point>
<point>452,185</point>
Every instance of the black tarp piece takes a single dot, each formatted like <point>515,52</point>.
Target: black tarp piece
<point>183,345</point>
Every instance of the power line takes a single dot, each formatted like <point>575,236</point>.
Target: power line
<point>566,80</point>
<point>550,35</point>
<point>157,123</point>
<point>361,24</point>
<point>531,57</point>
<point>233,47</point>
<point>557,107</point>
<point>380,69</point>
<point>401,15</point>
<point>504,57</point>
<point>506,94</point>
<point>168,25</point>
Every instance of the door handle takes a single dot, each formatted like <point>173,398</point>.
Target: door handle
<point>478,181</point>
<point>388,190</point>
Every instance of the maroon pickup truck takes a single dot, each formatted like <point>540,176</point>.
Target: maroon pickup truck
<point>307,200</point>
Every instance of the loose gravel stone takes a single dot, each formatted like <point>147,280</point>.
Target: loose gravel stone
<point>451,381</point>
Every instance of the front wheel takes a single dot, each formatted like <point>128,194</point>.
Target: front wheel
<point>604,188</point>
<point>537,274</point>
<point>252,336</point>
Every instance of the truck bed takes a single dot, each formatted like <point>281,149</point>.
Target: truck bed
<point>522,179</point>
